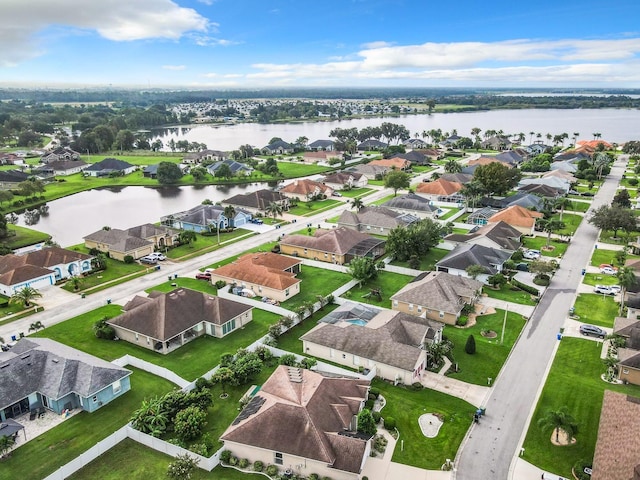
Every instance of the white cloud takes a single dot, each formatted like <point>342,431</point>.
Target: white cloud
<point>207,41</point>
<point>174,67</point>
<point>378,44</point>
<point>117,20</point>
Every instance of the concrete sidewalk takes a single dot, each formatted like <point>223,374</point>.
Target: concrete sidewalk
<point>525,310</point>
<point>474,394</point>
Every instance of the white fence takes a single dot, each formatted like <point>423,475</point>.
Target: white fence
<point>151,368</point>
<point>224,293</point>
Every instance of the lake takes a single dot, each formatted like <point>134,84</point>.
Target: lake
<point>615,125</point>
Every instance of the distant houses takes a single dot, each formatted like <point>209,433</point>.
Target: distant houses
<point>205,218</point>
<point>110,166</point>
<point>257,201</point>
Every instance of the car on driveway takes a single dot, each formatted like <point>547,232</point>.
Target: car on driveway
<point>157,256</point>
<point>604,290</point>
<point>149,260</point>
<point>592,331</point>
<point>531,254</point>
<point>608,269</point>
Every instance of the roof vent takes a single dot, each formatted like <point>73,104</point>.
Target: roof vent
<point>295,374</point>
<point>55,360</point>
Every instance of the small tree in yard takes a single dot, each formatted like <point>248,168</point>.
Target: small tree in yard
<point>182,467</point>
<point>474,270</point>
<point>6,443</point>
<point>470,346</point>
<point>557,420</point>
<point>397,179</point>
<point>366,423</point>
<point>363,269</point>
<point>497,280</point>
<point>189,422</point>
<point>223,376</point>
<point>541,268</point>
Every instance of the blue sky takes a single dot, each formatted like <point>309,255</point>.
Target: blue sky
<point>263,43</point>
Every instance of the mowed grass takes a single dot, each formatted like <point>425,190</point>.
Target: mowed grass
<point>24,237</point>
<point>49,451</point>
<point>315,281</point>
<point>189,361</point>
<point>290,342</point>
<point>291,170</point>
<point>356,192</point>
<point>574,381</point>
<point>428,262</point>
<point>537,243</point>
<point>571,222</point>
<point>207,243</point>
<point>406,406</point>
<point>490,354</point>
<point>509,293</point>
<point>596,309</point>
<point>388,283</point>
<point>602,255</point>
<point>599,279</point>
<point>309,208</point>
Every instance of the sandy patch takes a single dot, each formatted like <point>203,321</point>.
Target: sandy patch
<point>563,440</point>
<point>430,425</point>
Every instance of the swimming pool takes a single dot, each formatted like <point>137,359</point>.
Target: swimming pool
<point>357,321</point>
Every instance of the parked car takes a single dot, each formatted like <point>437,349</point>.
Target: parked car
<point>531,254</point>
<point>149,260</point>
<point>592,331</point>
<point>608,269</point>
<point>336,194</point>
<point>203,276</point>
<point>604,290</point>
<point>157,256</point>
<point>257,221</point>
<point>522,267</point>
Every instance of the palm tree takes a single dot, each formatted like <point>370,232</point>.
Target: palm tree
<point>471,192</point>
<point>452,166</point>
<point>322,300</point>
<point>626,279</point>
<point>230,213</point>
<point>35,326</point>
<point>562,203</point>
<point>274,209</point>
<point>187,236</point>
<point>550,225</point>
<point>557,420</point>
<point>6,442</point>
<point>357,203</point>
<point>25,295</point>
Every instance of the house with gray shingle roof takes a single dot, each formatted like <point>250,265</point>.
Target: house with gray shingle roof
<point>437,296</point>
<point>305,421</point>
<point>164,322</point>
<point>465,255</point>
<point>257,201</point>
<point>342,180</point>
<point>327,145</point>
<point>494,235</point>
<point>60,154</point>
<point>110,166</point>
<point>376,220</point>
<point>135,241</point>
<point>11,179</point>
<point>204,218</point>
<point>413,204</point>
<point>60,168</point>
<point>238,169</point>
<point>391,342</point>
<point>278,147</point>
<point>372,172</point>
<point>39,372</point>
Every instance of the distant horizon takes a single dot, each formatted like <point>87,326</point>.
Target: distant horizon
<point>219,44</point>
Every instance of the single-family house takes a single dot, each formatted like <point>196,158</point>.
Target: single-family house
<point>257,201</point>
<point>523,199</point>
<point>431,153</point>
<point>562,174</point>
<point>60,168</point>
<point>110,166</point>
<point>494,235</point>
<point>488,159</point>
<point>464,255</point>
<point>629,329</point>
<point>518,217</point>
<point>304,190</point>
<point>594,144</point>
<point>339,245</point>
<point>375,220</point>
<point>497,142</point>
<point>558,183</point>
<point>544,191</point>
<point>416,157</point>
<point>414,143</point>
<point>237,169</point>
<point>629,365</point>
<point>305,422</point>
<point>510,158</point>
<point>395,163</point>
<point>164,322</point>
<point>345,180</point>
<point>564,165</point>
<point>42,373</point>
<point>266,274</point>
<point>372,144</point>
<point>450,141</point>
<point>205,218</point>
<point>437,296</point>
<point>201,156</point>
<point>60,154</point>
<point>327,145</point>
<point>10,179</point>
<point>372,172</point>
<point>40,268</point>
<point>136,241</point>
<point>279,147</point>
<point>617,456</point>
<point>572,156</point>
<point>481,216</point>
<point>413,204</point>
<point>160,235</point>
<point>10,158</point>
<point>462,178</point>
<point>392,343</point>
<point>441,190</point>
<point>325,156</point>
<point>537,148</point>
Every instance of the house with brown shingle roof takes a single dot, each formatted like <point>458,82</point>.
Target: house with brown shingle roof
<point>165,321</point>
<point>305,422</point>
<point>40,268</point>
<point>321,156</point>
<point>617,455</point>
<point>439,296</point>
<point>441,190</point>
<point>376,220</point>
<point>304,190</point>
<point>391,342</point>
<point>520,218</point>
<point>135,241</point>
<point>257,201</point>
<point>266,274</point>
<point>342,180</point>
<point>392,163</point>
<point>339,245</point>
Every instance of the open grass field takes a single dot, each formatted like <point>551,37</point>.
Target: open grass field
<point>43,455</point>
<point>428,262</point>
<point>389,283</point>
<point>596,309</point>
<point>574,381</point>
<point>189,361</point>
<point>571,222</point>
<point>490,354</point>
<point>293,170</point>
<point>24,236</point>
<point>315,281</point>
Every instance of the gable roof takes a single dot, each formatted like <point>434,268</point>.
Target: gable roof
<point>266,269</point>
<point>541,190</point>
<point>522,199</point>
<point>391,337</point>
<point>148,230</point>
<point>510,156</point>
<point>372,143</point>
<point>439,187</point>
<point>307,414</point>
<point>162,316</point>
<point>305,187</point>
<point>53,369</point>
<point>517,215</point>
<point>16,269</point>
<point>410,201</point>
<point>630,329</point>
<point>61,165</point>
<point>13,176</point>
<point>260,199</point>
<point>465,255</point>
<point>368,169</point>
<point>338,241</point>
<point>234,166</point>
<point>414,156</point>
<point>439,291</point>
<point>109,164</point>
<point>376,216</point>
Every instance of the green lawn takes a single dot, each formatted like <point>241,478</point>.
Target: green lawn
<point>207,243</point>
<point>265,247</point>
<point>388,282</point>
<point>190,361</point>
<point>596,309</point>
<point>383,200</point>
<point>509,293</point>
<point>574,381</point>
<point>356,192</point>
<point>290,342</point>
<point>24,237</point>
<point>291,170</point>
<point>450,213</point>
<point>43,455</point>
<point>599,279</point>
<point>428,262</point>
<point>536,243</point>
<point>578,207</point>
<point>571,222</point>
<point>315,281</point>
<point>607,236</point>
<point>490,355</point>
<point>406,406</point>
<point>186,282</point>
<point>311,208</point>
<point>602,255</point>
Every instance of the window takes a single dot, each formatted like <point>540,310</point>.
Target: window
<point>441,315</point>
<point>94,399</point>
<point>356,360</point>
<point>344,356</point>
<point>625,371</point>
<point>419,309</point>
<point>395,303</point>
<point>278,458</point>
<point>117,387</point>
<point>286,292</point>
<point>229,326</point>
<point>411,307</point>
<point>136,337</point>
<point>305,251</point>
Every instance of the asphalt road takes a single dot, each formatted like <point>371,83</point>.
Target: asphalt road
<point>493,444</point>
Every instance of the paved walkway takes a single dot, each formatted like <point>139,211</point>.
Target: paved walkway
<point>474,394</point>
<point>525,310</point>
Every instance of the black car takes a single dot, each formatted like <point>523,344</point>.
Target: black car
<point>592,331</point>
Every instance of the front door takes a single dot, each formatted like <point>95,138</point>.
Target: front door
<point>45,401</point>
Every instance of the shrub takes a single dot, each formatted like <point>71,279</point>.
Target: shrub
<point>258,466</point>
<point>200,449</point>
<point>202,383</point>
<point>225,455</point>
<point>416,386</point>
<point>102,330</point>
<point>244,463</point>
<point>376,416</point>
<point>462,321</point>
<point>527,288</point>
<point>233,460</point>
<point>128,259</point>
<point>633,181</point>
<point>272,470</point>
<point>189,422</point>
<point>314,476</point>
<point>371,396</point>
<point>226,359</point>
<point>389,423</point>
<point>375,392</point>
<point>288,359</point>
<point>220,284</point>
<point>182,467</point>
<point>369,404</point>
<point>470,346</point>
